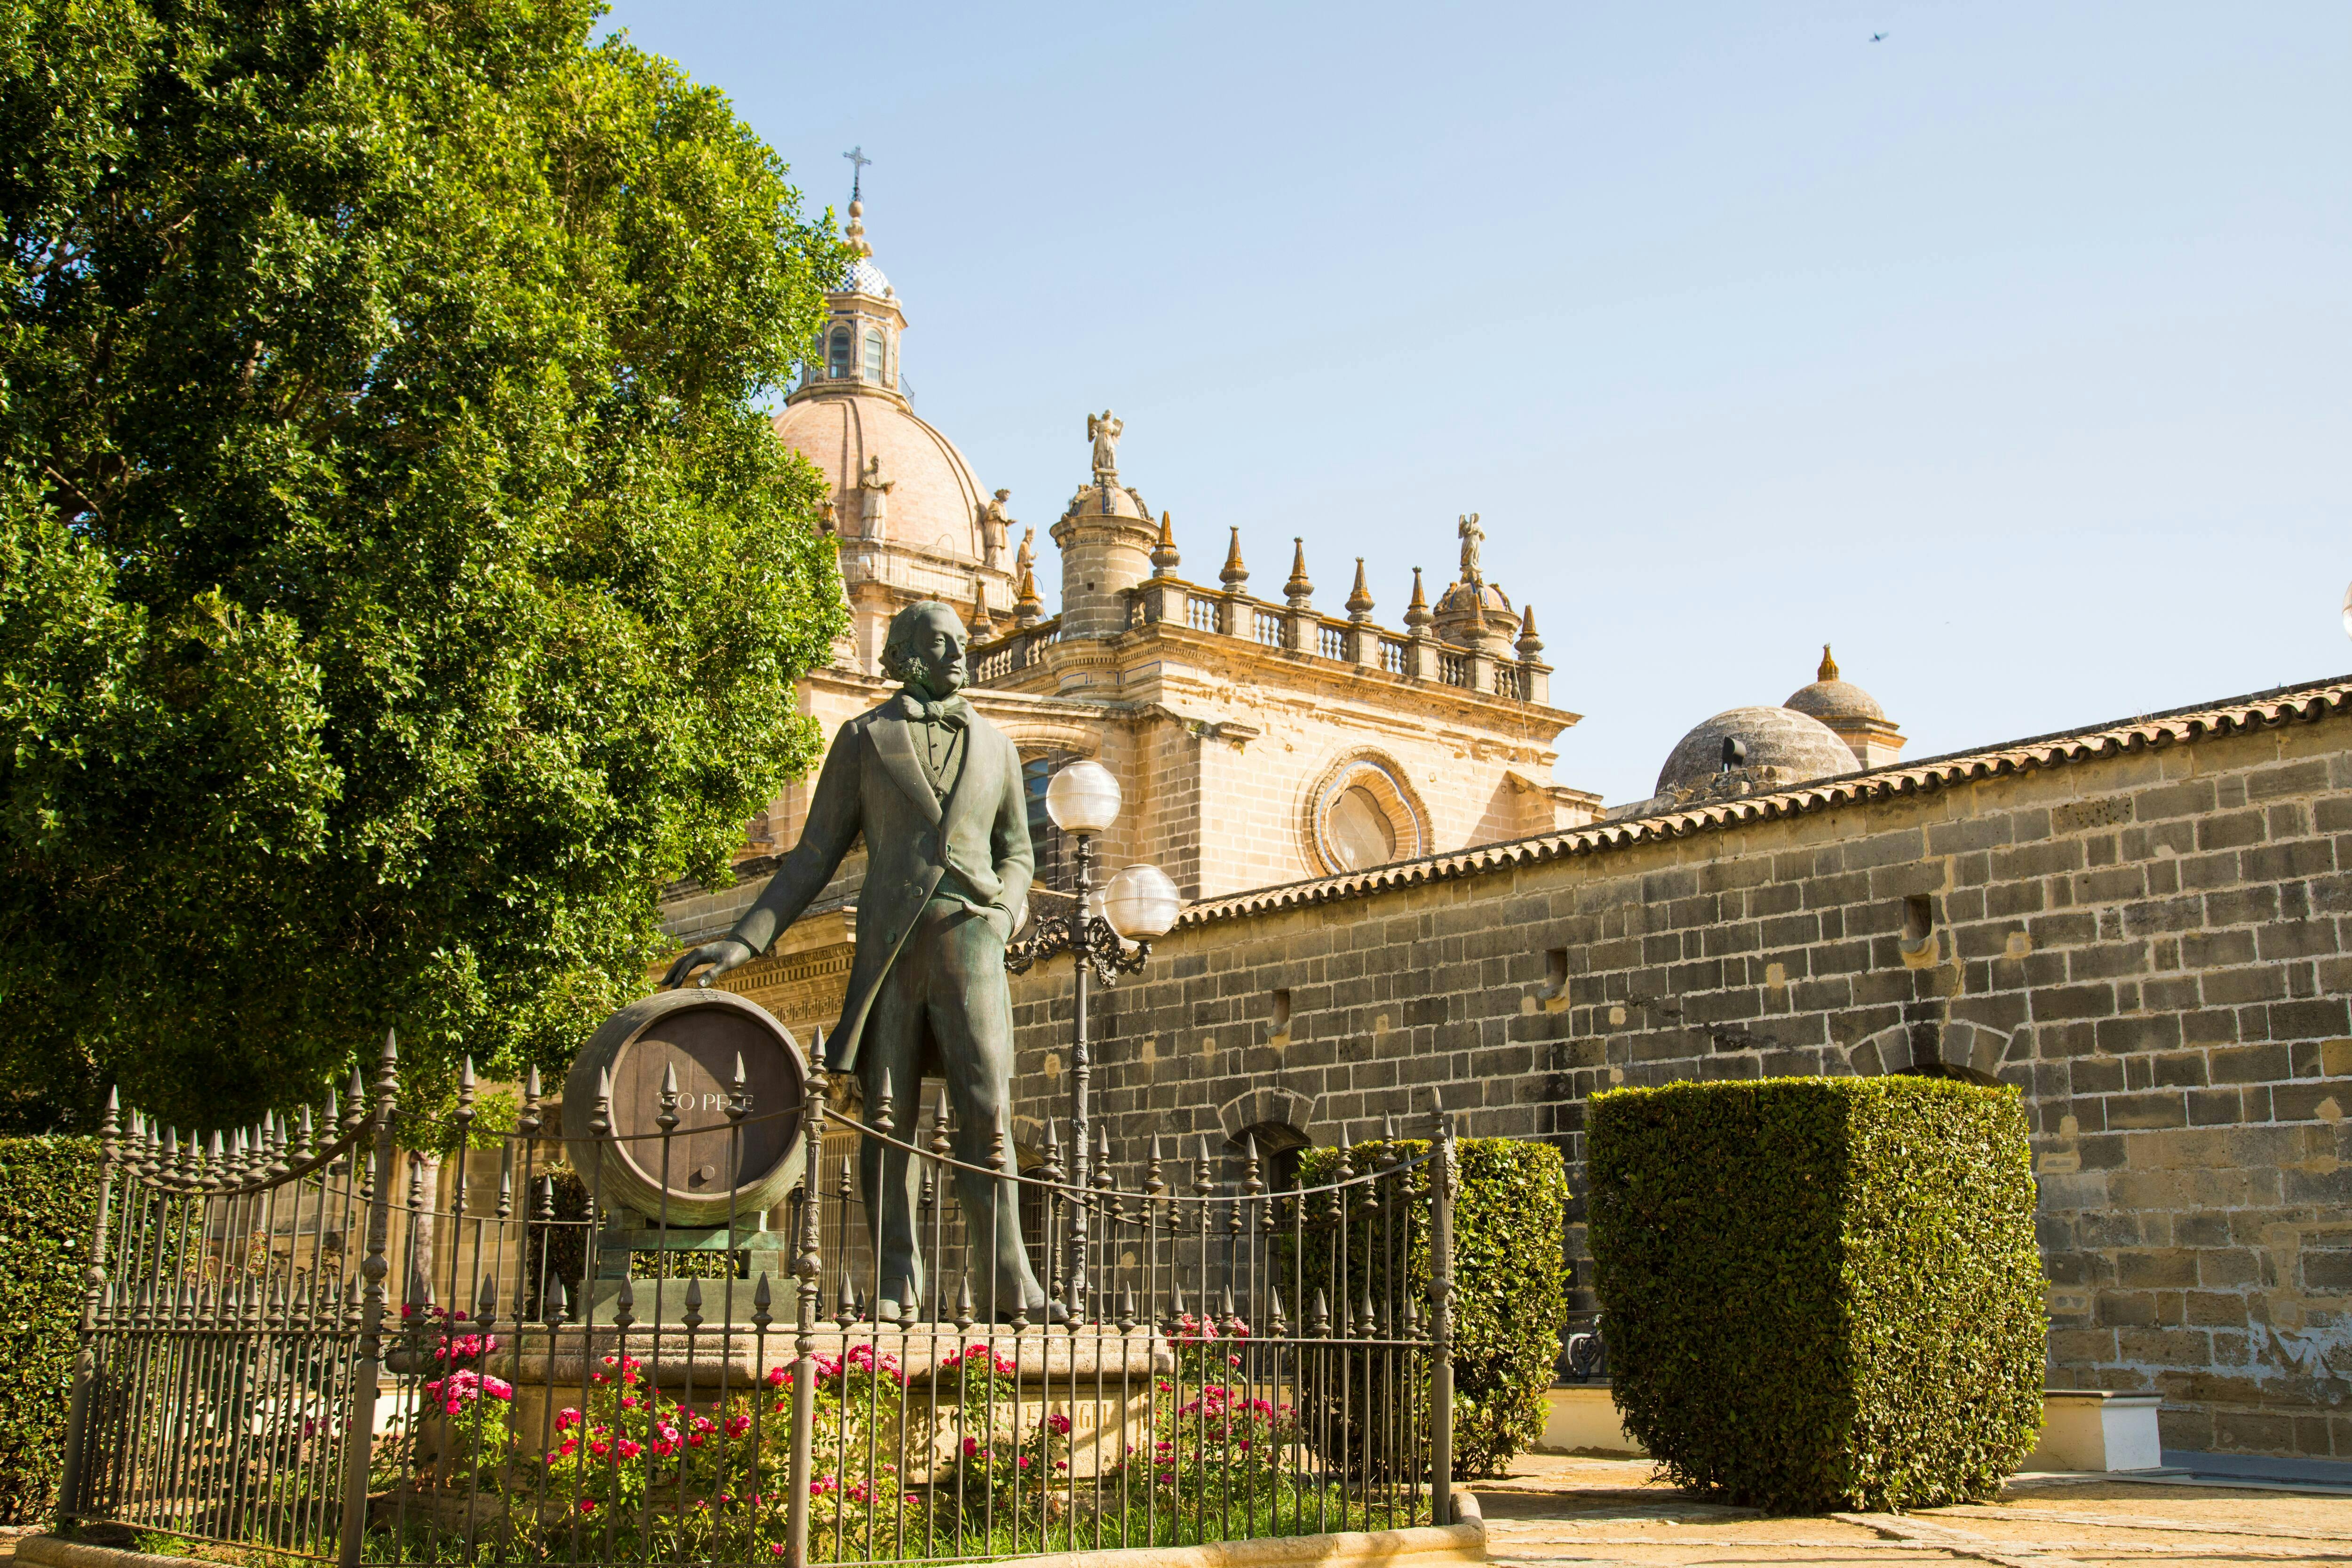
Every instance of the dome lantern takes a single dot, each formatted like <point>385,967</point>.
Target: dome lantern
<point>905,507</point>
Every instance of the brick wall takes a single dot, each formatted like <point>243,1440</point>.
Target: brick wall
<point>2150,942</point>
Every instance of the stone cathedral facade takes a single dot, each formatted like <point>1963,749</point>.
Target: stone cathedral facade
<point>2145,925</point>
<point>1258,738</point>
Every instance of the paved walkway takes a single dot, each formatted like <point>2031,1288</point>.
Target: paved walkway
<point>1609,1512</point>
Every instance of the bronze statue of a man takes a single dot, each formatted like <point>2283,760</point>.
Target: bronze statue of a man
<point>936,791</point>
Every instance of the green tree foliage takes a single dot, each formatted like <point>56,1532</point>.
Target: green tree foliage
<point>48,1193</point>
<point>1821,1293</point>
<point>1510,1278</point>
<point>398,578</point>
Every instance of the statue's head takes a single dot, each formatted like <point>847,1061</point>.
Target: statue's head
<point>925,648</point>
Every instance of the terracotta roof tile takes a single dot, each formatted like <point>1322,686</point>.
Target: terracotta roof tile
<point>2306,703</point>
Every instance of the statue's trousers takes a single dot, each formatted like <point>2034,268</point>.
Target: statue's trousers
<point>947,987</point>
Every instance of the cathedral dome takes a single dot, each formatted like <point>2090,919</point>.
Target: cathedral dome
<point>1792,746</point>
<point>1459,598</point>
<point>935,502</point>
<point>1830,699</point>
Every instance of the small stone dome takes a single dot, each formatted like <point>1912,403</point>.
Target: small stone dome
<point>1459,597</point>
<point>1830,699</point>
<point>1113,499</point>
<point>1784,747</point>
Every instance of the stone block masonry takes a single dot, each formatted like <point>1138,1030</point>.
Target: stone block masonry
<point>2142,926</point>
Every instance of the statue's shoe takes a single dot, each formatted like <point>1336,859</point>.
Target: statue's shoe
<point>1043,1312</point>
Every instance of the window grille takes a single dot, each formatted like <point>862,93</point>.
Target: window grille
<point>1267,625</point>
<point>1054,868</point>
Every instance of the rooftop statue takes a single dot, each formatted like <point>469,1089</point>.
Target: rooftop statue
<point>1104,432</point>
<point>1473,536</point>
<point>935,788</point>
<point>995,524</point>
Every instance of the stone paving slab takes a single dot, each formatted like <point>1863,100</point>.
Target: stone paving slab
<point>1562,1509</point>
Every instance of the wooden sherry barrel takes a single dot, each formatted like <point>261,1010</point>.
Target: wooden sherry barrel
<point>710,1174</point>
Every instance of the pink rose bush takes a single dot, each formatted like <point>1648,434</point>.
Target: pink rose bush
<point>1007,1461</point>
<point>956,1463</point>
<point>1215,1445</point>
<point>633,1465</point>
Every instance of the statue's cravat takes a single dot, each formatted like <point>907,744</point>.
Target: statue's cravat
<point>953,712</point>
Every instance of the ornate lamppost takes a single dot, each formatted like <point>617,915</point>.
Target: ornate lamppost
<point>1107,934</point>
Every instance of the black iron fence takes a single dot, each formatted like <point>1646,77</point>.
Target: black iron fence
<point>306,1340</point>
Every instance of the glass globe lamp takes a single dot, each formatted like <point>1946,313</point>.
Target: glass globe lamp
<point>1083,798</point>
<point>1142,903</point>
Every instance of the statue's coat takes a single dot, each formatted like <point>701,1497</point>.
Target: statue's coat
<point>873,784</point>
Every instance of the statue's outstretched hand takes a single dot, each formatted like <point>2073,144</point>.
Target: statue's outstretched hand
<point>721,956</point>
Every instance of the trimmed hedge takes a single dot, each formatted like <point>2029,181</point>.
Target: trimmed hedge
<point>48,1187</point>
<point>1510,1283</point>
<point>1821,1293</point>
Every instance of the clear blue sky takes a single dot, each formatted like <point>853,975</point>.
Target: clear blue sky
<point>2012,353</point>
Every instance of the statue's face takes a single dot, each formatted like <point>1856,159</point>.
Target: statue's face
<point>935,656</point>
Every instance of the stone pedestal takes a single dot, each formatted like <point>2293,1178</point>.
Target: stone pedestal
<point>658,1300</point>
